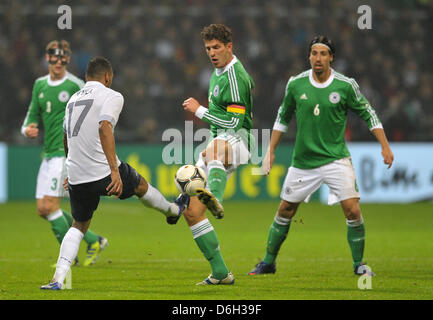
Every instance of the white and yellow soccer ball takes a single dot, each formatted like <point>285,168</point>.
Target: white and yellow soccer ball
<point>188,178</point>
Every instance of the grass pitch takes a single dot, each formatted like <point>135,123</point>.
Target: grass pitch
<point>148,259</point>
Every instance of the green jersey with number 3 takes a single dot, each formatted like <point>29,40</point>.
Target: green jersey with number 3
<point>321,114</point>
<point>48,103</point>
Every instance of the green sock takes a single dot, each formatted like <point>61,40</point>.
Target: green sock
<point>277,234</point>
<point>356,239</point>
<point>207,241</point>
<point>90,237</point>
<point>59,224</point>
<point>217,179</point>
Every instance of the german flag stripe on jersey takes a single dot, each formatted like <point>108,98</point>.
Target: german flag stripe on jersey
<point>236,109</point>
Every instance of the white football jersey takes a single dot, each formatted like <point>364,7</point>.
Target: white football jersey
<point>86,161</point>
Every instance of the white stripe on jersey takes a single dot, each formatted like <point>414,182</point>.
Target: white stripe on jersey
<point>233,85</point>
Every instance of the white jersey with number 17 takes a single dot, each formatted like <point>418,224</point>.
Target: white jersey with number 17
<point>86,161</point>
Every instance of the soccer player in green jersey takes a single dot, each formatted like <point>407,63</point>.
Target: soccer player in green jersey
<point>49,98</point>
<point>320,99</point>
<point>230,118</point>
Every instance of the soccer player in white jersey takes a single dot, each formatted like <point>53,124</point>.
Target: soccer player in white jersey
<point>93,167</point>
<point>49,97</point>
<point>320,98</point>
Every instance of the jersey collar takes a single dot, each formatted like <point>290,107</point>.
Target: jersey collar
<point>220,71</point>
<point>93,83</point>
<point>55,83</point>
<point>316,84</point>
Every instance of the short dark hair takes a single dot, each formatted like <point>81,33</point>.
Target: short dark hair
<point>98,66</point>
<point>217,31</point>
<point>324,40</point>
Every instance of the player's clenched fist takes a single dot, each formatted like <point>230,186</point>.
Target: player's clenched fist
<point>32,131</point>
<point>191,105</point>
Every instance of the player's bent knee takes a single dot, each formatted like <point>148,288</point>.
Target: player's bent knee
<point>351,209</point>
<point>142,188</point>
<point>46,207</point>
<point>195,213</point>
<point>287,209</point>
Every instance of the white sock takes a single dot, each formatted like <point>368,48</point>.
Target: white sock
<point>154,199</point>
<point>282,221</point>
<point>68,252</point>
<point>55,215</point>
<point>201,228</point>
<point>355,223</point>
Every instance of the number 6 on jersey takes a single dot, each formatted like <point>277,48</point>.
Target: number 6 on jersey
<point>316,110</point>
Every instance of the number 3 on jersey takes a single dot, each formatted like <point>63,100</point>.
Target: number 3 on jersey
<point>87,104</point>
<point>316,110</point>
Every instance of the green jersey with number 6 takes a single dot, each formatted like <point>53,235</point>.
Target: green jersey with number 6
<point>231,102</point>
<point>48,103</point>
<point>321,114</point>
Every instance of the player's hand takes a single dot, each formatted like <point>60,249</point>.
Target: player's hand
<point>32,131</point>
<point>191,105</point>
<point>388,157</point>
<point>268,161</point>
<point>116,186</point>
<point>65,184</point>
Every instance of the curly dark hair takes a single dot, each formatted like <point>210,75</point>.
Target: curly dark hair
<point>217,31</point>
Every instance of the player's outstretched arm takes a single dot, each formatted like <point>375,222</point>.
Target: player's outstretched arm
<point>109,147</point>
<point>387,154</point>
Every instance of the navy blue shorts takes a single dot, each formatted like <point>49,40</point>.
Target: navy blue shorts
<point>85,197</point>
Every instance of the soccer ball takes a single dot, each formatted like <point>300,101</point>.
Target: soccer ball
<point>188,178</point>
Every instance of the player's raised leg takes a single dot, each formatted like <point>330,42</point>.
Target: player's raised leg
<point>217,156</point>
<point>277,234</point>
<point>206,239</point>
<point>152,198</point>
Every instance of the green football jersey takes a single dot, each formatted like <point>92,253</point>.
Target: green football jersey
<point>231,102</point>
<point>321,115</point>
<point>48,103</point>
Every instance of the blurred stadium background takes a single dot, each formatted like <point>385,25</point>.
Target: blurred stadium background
<point>159,60</point>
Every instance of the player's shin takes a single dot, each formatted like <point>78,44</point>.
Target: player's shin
<point>207,241</point>
<point>90,237</point>
<point>68,252</point>
<point>277,234</point>
<point>217,179</point>
<point>356,239</point>
<point>154,199</point>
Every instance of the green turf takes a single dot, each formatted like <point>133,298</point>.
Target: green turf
<point>148,259</point>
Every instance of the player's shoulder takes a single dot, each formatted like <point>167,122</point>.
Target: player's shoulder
<point>42,79</point>
<point>107,95</point>
<point>342,78</point>
<point>113,93</point>
<point>348,83</point>
<point>241,75</point>
<point>299,77</point>
<point>74,79</point>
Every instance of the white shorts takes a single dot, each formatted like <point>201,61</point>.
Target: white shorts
<point>52,173</point>
<point>240,156</point>
<point>339,175</point>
